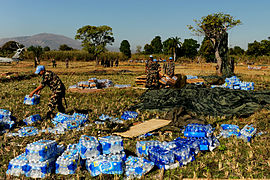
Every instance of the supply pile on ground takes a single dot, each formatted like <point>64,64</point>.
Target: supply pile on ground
<point>37,161</point>
<point>94,83</point>
<point>235,83</point>
<point>246,133</point>
<point>5,120</point>
<point>127,115</point>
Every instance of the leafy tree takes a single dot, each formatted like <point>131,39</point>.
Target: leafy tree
<point>64,47</point>
<point>138,49</point>
<point>265,46</point>
<point>207,51</point>
<point>46,48</point>
<point>9,47</point>
<point>125,48</point>
<point>157,45</point>
<point>171,46</point>
<point>189,48</point>
<point>94,39</point>
<point>254,49</point>
<point>236,50</point>
<point>148,49</point>
<point>37,51</point>
<point>215,27</point>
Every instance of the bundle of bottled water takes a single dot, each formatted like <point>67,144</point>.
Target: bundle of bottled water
<point>105,164</point>
<point>122,85</point>
<point>128,115</point>
<point>191,77</point>
<point>35,99</point>
<point>41,150</point>
<point>104,83</point>
<point>203,134</point>
<point>136,167</point>
<point>89,147</point>
<point>28,131</point>
<point>6,119</point>
<point>247,133</point>
<point>37,161</point>
<point>111,144</point>
<point>103,118</point>
<point>198,130</point>
<point>235,83</point>
<point>61,118</point>
<point>67,163</point>
<point>32,119</point>
<point>142,147</point>
<point>227,130</point>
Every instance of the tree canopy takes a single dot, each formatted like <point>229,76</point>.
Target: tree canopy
<point>125,48</point>
<point>64,47</point>
<point>95,38</point>
<point>148,49</point>
<point>157,45</point>
<point>215,27</point>
<point>189,48</point>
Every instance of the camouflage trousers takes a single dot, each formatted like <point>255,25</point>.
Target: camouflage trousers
<point>152,80</point>
<point>56,101</point>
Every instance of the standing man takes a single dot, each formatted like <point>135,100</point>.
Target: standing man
<point>165,64</point>
<point>170,67</point>
<point>57,87</point>
<point>53,63</point>
<point>153,68</point>
<point>67,61</point>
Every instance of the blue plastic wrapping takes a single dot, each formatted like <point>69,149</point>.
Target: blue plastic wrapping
<point>41,150</point>
<point>127,115</point>
<point>35,99</point>
<point>111,144</point>
<point>89,147</point>
<point>227,130</point>
<point>247,132</point>
<point>17,166</point>
<point>105,164</point>
<point>28,131</point>
<point>136,167</point>
<point>142,147</point>
<point>32,119</point>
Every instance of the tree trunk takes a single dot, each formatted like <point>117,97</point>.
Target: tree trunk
<point>97,62</point>
<point>224,67</point>
<point>174,54</point>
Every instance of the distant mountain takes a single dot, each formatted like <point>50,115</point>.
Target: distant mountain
<point>44,39</point>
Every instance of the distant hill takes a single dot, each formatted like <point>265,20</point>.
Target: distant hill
<point>44,39</point>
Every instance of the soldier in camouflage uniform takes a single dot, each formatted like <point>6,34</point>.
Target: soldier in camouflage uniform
<point>165,64</point>
<point>57,87</point>
<point>170,67</point>
<point>152,79</point>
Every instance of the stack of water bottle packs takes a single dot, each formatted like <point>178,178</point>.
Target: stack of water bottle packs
<point>127,115</point>
<point>93,83</point>
<point>65,122</point>
<point>34,100</point>
<point>37,161</point>
<point>180,151</point>
<point>5,120</point>
<point>32,119</point>
<point>235,83</point>
<point>246,133</point>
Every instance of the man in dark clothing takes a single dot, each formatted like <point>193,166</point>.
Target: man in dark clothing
<point>152,78</point>
<point>170,67</point>
<point>54,63</point>
<point>57,87</point>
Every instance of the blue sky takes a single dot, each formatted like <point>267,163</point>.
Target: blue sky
<point>137,21</point>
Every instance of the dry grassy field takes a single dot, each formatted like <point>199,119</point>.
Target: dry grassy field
<point>234,158</point>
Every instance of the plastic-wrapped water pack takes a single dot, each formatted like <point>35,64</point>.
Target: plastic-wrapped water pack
<point>35,99</point>
<point>127,115</point>
<point>136,167</point>
<point>111,144</point>
<point>41,150</point>
<point>105,164</point>
<point>27,131</point>
<point>18,165</point>
<point>198,130</point>
<point>89,147</point>
<point>32,119</point>
<point>247,132</point>
<point>67,163</point>
<point>227,130</point>
<point>142,147</point>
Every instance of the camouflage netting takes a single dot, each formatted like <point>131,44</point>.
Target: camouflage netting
<point>205,101</point>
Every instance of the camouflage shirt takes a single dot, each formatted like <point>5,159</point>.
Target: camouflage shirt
<point>153,66</point>
<point>53,81</point>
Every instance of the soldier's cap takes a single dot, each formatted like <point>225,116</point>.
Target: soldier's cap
<point>170,58</point>
<point>151,56</point>
<point>155,60</point>
<point>40,68</point>
<point>164,60</point>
